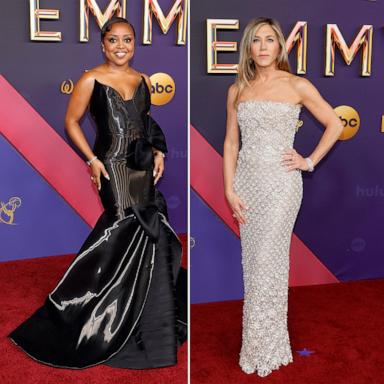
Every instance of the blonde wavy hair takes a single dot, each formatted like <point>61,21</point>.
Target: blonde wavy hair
<point>247,69</point>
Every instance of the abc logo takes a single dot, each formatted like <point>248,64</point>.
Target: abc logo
<point>350,119</point>
<point>163,88</point>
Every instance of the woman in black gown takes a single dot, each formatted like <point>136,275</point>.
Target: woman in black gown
<point>122,300</point>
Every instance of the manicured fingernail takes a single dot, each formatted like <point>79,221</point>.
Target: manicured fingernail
<point>107,177</point>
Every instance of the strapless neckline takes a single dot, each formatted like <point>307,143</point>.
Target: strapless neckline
<point>256,101</point>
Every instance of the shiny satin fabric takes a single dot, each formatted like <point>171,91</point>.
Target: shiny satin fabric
<point>116,304</point>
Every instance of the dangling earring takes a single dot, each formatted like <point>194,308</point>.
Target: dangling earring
<point>103,49</point>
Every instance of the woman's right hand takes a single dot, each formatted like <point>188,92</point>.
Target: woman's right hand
<point>237,206</point>
<point>97,168</point>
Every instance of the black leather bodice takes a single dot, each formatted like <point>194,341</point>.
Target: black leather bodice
<point>119,122</point>
<point>126,136</point>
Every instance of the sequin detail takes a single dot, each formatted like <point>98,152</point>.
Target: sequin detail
<point>273,197</point>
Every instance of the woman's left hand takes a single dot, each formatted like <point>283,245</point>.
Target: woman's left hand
<point>293,160</point>
<point>158,166</point>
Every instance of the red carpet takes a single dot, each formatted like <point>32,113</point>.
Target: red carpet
<point>24,286</point>
<point>342,323</point>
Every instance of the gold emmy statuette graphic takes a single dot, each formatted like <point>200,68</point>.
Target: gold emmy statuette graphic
<point>350,119</point>
<point>66,87</point>
<point>299,124</point>
<point>163,88</point>
<point>7,210</point>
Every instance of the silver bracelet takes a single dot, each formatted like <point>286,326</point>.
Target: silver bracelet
<point>89,162</point>
<point>310,164</point>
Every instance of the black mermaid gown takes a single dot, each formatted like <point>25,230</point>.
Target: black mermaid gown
<point>122,301</point>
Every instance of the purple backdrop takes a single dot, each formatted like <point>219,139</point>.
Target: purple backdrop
<point>45,224</point>
<point>342,211</point>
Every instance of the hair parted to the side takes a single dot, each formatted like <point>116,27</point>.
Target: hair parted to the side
<point>247,69</point>
<point>113,20</point>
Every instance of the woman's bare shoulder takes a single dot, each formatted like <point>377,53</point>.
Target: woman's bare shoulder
<point>89,75</point>
<point>303,87</point>
<point>299,83</point>
<point>146,77</point>
<point>233,90</point>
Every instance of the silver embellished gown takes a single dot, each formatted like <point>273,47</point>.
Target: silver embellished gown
<point>273,197</point>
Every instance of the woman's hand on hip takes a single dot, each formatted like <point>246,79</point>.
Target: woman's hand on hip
<point>292,160</point>
<point>98,169</point>
<point>158,168</point>
<point>237,206</point>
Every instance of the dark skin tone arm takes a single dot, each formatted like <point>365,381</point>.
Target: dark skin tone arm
<point>77,106</point>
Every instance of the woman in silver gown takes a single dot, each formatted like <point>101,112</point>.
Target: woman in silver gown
<point>263,183</point>
<point>117,304</point>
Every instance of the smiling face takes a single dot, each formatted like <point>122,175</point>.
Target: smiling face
<point>119,44</point>
<point>265,46</point>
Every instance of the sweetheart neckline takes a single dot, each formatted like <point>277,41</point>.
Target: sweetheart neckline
<point>118,93</point>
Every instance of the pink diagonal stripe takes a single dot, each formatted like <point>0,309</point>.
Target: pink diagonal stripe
<point>48,153</point>
<point>207,181</point>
